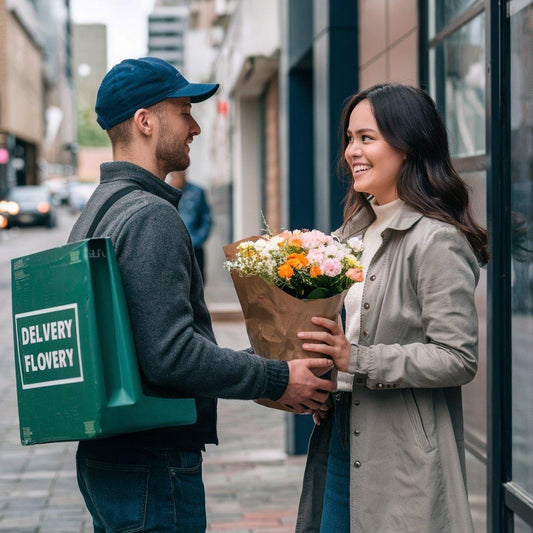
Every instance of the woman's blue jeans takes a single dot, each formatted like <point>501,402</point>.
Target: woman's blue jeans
<point>336,506</point>
<point>129,490</point>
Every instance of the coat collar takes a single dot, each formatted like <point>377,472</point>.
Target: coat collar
<point>406,217</point>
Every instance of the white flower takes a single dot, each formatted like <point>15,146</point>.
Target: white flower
<point>356,244</point>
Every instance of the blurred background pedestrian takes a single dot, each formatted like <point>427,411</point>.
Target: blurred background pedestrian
<point>195,212</point>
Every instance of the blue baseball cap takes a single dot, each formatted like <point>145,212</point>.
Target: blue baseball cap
<point>138,83</point>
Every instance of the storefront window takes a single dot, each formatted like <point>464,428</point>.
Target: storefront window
<point>459,82</point>
<point>445,12</point>
<point>475,393</point>
<point>520,526</point>
<point>521,141</point>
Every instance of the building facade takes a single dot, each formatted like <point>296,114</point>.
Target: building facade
<point>167,26</point>
<point>36,97</point>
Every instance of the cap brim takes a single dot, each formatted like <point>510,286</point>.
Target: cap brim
<point>197,92</point>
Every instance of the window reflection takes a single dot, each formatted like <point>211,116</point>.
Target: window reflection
<point>475,392</point>
<point>461,71</point>
<point>520,526</point>
<point>521,123</point>
<point>446,11</point>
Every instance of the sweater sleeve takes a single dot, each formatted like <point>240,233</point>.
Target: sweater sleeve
<point>445,283</point>
<point>173,337</point>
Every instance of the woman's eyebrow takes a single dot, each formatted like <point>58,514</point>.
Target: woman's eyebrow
<point>363,130</point>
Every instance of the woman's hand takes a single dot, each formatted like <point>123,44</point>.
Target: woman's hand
<point>332,343</point>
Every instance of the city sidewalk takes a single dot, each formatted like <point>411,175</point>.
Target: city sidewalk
<point>251,484</point>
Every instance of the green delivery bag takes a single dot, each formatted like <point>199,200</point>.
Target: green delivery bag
<point>77,373</point>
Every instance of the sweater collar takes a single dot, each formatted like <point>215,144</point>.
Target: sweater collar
<point>123,170</point>
<point>405,218</point>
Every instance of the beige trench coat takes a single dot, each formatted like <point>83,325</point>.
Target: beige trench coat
<point>417,346</point>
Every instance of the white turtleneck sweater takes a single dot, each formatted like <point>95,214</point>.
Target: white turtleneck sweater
<point>372,241</point>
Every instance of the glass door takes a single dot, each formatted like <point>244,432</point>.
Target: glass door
<point>519,491</point>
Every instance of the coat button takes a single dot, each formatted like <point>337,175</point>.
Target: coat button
<point>356,432</point>
<point>356,402</point>
<point>357,464</point>
<point>366,305</point>
<point>379,386</point>
<point>373,277</point>
<point>365,333</point>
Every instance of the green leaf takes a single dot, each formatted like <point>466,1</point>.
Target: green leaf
<point>320,292</point>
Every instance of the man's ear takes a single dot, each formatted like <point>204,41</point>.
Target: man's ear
<point>144,121</point>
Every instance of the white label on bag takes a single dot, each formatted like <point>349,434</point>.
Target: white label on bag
<point>48,347</point>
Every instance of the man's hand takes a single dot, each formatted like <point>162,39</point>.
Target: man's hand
<point>306,392</point>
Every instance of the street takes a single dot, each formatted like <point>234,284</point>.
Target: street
<point>252,486</point>
<point>38,489</point>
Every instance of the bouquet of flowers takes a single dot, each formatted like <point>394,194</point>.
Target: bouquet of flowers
<point>283,280</point>
<point>304,264</point>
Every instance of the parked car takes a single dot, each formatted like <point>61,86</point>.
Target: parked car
<point>59,189</point>
<point>28,205</point>
<point>80,192</point>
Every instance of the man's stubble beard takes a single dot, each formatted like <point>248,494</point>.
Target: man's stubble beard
<point>170,157</point>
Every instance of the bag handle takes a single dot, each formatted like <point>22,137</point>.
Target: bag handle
<point>107,204</point>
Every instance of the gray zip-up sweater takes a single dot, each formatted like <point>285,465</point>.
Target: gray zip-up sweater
<point>174,340</point>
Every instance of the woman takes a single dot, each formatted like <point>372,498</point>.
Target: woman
<point>391,457</point>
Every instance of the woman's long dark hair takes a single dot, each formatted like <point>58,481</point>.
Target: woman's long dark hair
<point>409,121</point>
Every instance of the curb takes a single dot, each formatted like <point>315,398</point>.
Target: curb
<point>225,312</point>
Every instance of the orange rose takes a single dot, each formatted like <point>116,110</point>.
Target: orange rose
<point>297,260</point>
<point>285,271</point>
<point>355,273</point>
<point>315,271</point>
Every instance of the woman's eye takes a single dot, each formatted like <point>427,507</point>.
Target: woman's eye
<point>366,138</point>
<point>349,139</point>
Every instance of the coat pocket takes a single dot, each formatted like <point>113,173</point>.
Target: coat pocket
<point>416,419</point>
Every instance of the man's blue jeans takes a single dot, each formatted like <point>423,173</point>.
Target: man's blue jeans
<point>336,507</point>
<point>130,490</point>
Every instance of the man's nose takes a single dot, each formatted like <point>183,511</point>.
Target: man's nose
<point>195,128</point>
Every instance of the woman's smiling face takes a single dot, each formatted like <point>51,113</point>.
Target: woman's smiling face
<point>374,163</point>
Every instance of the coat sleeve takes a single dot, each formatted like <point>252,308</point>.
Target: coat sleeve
<point>170,322</point>
<point>445,281</point>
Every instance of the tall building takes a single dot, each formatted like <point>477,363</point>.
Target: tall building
<point>89,60</point>
<point>36,94</point>
<point>167,26</point>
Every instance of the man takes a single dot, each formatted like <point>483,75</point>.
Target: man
<point>194,211</point>
<point>151,480</point>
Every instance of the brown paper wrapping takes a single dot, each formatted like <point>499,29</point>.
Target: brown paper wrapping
<point>273,318</point>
